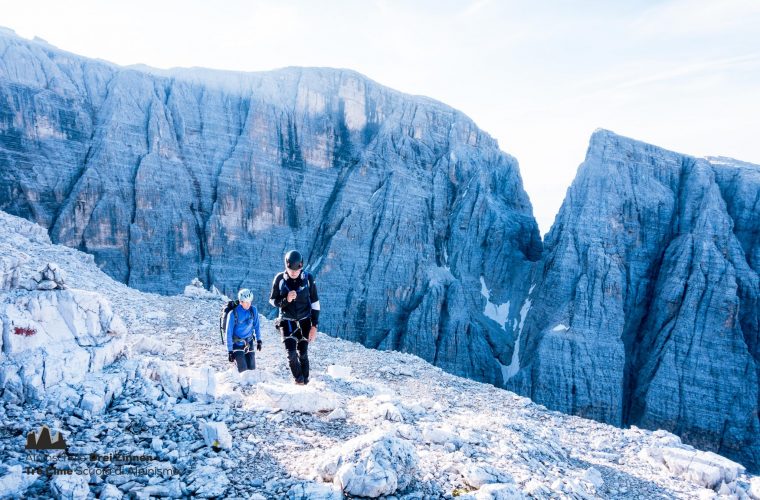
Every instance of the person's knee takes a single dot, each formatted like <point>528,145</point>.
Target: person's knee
<point>292,354</point>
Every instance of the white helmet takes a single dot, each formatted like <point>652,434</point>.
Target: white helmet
<point>245,295</point>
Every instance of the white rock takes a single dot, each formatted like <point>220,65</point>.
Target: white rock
<point>404,371</point>
<point>208,481</point>
<point>169,376</point>
<point>438,435</point>
<point>593,476</point>
<point>13,481</point>
<point>170,489</point>
<point>388,411</point>
<point>754,488</point>
<point>150,345</point>
<point>72,486</point>
<point>665,438</point>
<point>202,384</point>
<point>253,377</point>
<point>156,444</point>
<point>701,467</point>
<point>155,315</point>
<point>476,475</point>
<point>371,465</point>
<point>304,399</point>
<point>47,285</point>
<point>216,434</point>
<point>337,414</point>
<point>338,371</point>
<point>110,492</point>
<point>724,489</point>
<point>196,290</point>
<point>314,491</point>
<point>58,336</point>
<point>94,403</point>
<point>409,432</point>
<point>536,489</point>
<point>508,491</point>
<point>10,269</point>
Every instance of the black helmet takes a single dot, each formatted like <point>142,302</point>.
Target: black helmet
<point>293,260</point>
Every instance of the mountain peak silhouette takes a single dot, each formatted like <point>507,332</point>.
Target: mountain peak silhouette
<point>43,441</point>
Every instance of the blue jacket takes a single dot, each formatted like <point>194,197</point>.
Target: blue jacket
<point>241,324</point>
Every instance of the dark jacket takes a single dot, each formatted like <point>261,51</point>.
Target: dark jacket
<point>306,303</point>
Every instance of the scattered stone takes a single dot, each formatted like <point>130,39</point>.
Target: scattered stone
<point>13,482</point>
<point>70,487</point>
<point>216,435</point>
<point>754,488</point>
<point>156,444</point>
<point>110,492</point>
<point>476,475</point>
<point>208,481</point>
<point>704,468</point>
<point>338,371</point>
<point>594,477</point>
<point>337,414</point>
<point>304,399</point>
<point>507,491</point>
<point>314,491</point>
<point>371,465</point>
<point>389,411</point>
<point>438,435</point>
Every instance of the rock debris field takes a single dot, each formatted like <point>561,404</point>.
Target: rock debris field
<point>139,387</point>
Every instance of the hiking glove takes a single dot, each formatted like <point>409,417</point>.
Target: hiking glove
<point>231,356</point>
<point>258,345</point>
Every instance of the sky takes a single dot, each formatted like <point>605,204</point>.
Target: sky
<point>539,76</point>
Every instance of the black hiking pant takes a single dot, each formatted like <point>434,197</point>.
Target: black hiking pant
<point>295,336</point>
<point>245,357</point>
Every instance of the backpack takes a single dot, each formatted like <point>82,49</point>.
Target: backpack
<point>226,308</point>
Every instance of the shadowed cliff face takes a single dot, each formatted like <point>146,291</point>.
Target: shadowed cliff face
<point>646,306</point>
<point>399,203</point>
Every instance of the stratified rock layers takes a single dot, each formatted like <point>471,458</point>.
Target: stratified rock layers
<point>399,203</point>
<point>645,310</point>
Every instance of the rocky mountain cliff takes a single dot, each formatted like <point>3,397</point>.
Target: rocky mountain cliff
<point>645,310</point>
<point>641,308</point>
<point>399,203</point>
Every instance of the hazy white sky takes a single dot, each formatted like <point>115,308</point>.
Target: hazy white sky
<point>539,76</point>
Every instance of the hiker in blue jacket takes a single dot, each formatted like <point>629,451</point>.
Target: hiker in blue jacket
<point>242,329</point>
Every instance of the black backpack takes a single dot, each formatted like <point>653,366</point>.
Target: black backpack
<point>226,308</point>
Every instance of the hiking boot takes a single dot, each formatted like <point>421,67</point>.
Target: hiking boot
<point>306,381</point>
<point>299,381</point>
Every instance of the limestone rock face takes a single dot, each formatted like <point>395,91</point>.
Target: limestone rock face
<point>399,203</point>
<point>645,309</point>
<point>55,336</point>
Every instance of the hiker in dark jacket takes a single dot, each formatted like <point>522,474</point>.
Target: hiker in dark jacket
<point>242,330</point>
<point>294,292</point>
